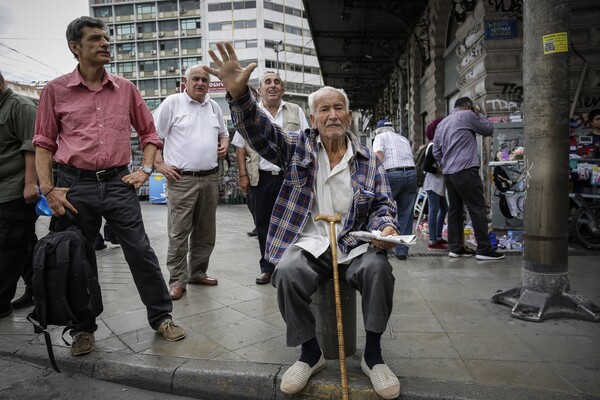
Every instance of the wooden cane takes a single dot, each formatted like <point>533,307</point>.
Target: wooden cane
<point>338,301</point>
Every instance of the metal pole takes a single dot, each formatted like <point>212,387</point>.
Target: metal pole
<point>545,289</point>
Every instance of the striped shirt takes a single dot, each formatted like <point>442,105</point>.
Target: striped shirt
<point>395,148</point>
<point>372,206</point>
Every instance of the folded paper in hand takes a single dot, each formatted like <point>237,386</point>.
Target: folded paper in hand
<point>376,235</point>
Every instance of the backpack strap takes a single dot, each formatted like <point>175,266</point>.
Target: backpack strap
<point>47,340</point>
<point>39,312</point>
<point>63,257</point>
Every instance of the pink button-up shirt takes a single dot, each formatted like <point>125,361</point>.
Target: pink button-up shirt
<point>91,129</point>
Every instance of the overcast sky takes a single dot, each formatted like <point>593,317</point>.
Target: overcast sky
<point>32,38</point>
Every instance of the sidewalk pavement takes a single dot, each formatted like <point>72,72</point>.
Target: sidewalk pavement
<point>445,339</point>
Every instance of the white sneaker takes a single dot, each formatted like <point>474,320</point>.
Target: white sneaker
<point>296,377</point>
<point>384,381</point>
<point>492,255</point>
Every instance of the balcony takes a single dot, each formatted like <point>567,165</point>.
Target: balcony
<point>170,71</point>
<point>122,18</point>
<point>168,91</point>
<point>126,37</point>
<point>148,74</point>
<point>167,14</point>
<point>147,54</point>
<point>145,17</point>
<point>191,52</point>
<point>128,74</point>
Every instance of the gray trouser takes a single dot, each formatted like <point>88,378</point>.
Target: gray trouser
<point>298,274</point>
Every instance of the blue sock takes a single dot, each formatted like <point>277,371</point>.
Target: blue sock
<point>373,349</point>
<point>311,352</point>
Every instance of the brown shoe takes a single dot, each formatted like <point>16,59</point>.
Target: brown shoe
<point>263,278</point>
<point>176,292</point>
<point>171,331</point>
<point>83,343</point>
<point>207,281</point>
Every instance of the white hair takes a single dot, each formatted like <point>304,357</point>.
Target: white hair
<point>188,71</point>
<point>314,95</point>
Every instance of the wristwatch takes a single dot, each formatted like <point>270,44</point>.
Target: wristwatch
<point>147,169</point>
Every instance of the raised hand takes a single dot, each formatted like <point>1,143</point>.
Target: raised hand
<point>230,72</point>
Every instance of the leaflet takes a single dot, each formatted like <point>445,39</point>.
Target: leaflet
<point>376,235</point>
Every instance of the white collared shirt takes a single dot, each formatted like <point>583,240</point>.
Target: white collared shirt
<point>191,131</point>
<point>333,195</point>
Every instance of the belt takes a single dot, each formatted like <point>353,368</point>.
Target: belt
<point>200,173</point>
<point>101,175</point>
<point>400,169</point>
<point>276,173</point>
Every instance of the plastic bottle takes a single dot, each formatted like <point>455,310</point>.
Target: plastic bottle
<point>493,241</point>
<point>42,208</point>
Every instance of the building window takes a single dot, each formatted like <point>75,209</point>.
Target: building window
<point>290,48</point>
<point>237,5</point>
<point>146,8</point>
<point>279,8</point>
<point>124,10</point>
<point>168,44</point>
<point>103,12</point>
<point>146,27</point>
<point>193,43</point>
<point>126,29</point>
<point>146,46</point>
<point>148,84</point>
<point>170,84</point>
<point>276,26</point>
<point>170,63</point>
<point>190,62</point>
<point>125,48</point>
<point>226,26</point>
<point>243,44</point>
<point>126,68</point>
<point>110,68</point>
<point>148,66</point>
<point>167,26</point>
<point>189,5</point>
<point>190,24</point>
<point>167,6</point>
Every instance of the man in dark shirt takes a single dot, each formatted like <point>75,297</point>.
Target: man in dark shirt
<point>455,149</point>
<point>19,192</point>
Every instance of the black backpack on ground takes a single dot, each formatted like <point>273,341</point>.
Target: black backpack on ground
<point>65,287</point>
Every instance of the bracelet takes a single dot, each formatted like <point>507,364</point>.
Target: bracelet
<point>241,176</point>
<point>48,192</point>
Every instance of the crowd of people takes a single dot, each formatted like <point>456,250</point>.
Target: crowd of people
<point>291,172</point>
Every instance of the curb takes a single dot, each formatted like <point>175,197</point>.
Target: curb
<point>205,379</point>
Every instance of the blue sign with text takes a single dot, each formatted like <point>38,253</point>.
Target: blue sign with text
<point>500,29</point>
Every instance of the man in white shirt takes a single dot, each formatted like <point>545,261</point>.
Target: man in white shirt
<point>258,177</point>
<point>195,135</point>
<point>395,152</point>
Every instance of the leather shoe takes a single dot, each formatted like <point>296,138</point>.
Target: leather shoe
<point>252,233</point>
<point>176,292</point>
<point>263,278</point>
<point>207,281</point>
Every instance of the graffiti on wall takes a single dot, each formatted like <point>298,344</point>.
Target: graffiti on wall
<point>580,125</point>
<point>588,102</point>
<point>512,8</point>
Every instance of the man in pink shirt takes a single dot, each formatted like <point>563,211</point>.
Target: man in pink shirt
<point>83,124</point>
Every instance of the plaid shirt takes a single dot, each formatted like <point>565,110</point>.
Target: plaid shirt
<point>372,207</point>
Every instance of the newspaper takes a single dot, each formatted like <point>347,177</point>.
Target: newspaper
<point>376,235</point>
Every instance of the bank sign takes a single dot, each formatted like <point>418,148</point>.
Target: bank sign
<point>500,29</point>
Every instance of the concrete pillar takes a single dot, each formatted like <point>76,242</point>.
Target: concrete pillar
<point>545,291</point>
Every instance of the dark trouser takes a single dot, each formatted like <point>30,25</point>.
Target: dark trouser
<point>465,188</point>
<point>263,198</point>
<point>404,189</point>
<point>119,205</point>
<point>298,274</point>
<point>17,240</point>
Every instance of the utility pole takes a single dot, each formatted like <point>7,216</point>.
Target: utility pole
<point>277,49</point>
<point>545,289</point>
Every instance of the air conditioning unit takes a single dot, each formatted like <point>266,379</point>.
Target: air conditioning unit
<point>153,52</point>
<point>175,50</point>
<point>171,69</point>
<point>183,33</point>
<point>183,11</point>
<point>129,36</point>
<point>161,34</point>
<point>140,35</point>
<point>132,54</point>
